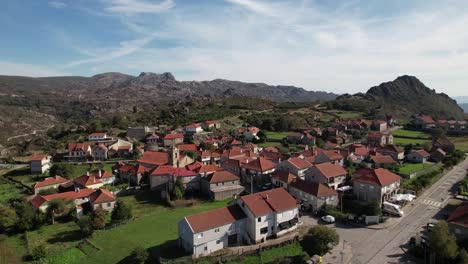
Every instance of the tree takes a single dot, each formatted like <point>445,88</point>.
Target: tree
<point>98,218</point>
<point>319,142</point>
<point>140,255</point>
<point>192,154</point>
<point>207,146</point>
<point>8,217</point>
<point>63,169</point>
<point>373,209</point>
<point>462,256</point>
<point>39,252</point>
<point>122,212</point>
<point>442,241</point>
<point>85,226</point>
<point>57,207</point>
<point>26,216</point>
<point>319,240</point>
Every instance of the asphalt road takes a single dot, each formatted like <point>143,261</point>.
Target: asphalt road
<point>388,245</point>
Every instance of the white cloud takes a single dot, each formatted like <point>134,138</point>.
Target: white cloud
<point>132,7</point>
<point>57,4</point>
<point>12,68</point>
<point>297,43</point>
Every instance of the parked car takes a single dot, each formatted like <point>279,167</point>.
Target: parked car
<point>328,219</point>
<point>267,186</point>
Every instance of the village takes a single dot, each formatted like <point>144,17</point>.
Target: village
<point>252,188</point>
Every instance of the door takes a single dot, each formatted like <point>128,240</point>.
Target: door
<point>232,240</point>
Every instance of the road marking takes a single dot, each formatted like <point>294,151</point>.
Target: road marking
<point>432,203</point>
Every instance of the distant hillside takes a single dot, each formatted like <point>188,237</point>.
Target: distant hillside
<point>464,106</point>
<point>149,97</point>
<point>405,96</point>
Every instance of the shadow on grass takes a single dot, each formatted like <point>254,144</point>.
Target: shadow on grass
<point>160,253</point>
<point>66,236</point>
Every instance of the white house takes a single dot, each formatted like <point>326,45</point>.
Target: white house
<point>40,163</point>
<point>418,156</point>
<point>328,173</point>
<point>252,219</point>
<point>98,137</point>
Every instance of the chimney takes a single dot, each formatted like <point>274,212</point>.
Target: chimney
<point>94,179</point>
<point>87,173</point>
<point>99,173</point>
<point>77,189</point>
<point>267,196</point>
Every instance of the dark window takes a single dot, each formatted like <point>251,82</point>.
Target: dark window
<point>264,230</point>
<point>206,248</point>
<point>259,219</point>
<point>218,241</point>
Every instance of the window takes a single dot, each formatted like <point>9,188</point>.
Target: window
<point>259,219</point>
<point>218,241</point>
<point>108,204</point>
<point>206,248</point>
<point>216,230</point>
<point>264,230</point>
<point>200,235</point>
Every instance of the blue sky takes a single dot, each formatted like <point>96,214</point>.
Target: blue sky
<point>336,46</point>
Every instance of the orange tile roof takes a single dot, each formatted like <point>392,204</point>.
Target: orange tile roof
<point>173,136</point>
<point>275,200</point>
<point>86,180</point>
<point>300,163</point>
<point>209,168</point>
<point>215,218</point>
<point>163,170</point>
<point>50,181</point>
<point>260,164</point>
<point>71,195</point>
<point>104,174</point>
<point>97,134</point>
<point>383,159</point>
<point>38,157</point>
<point>379,177</point>
<point>101,196</point>
<point>330,170</point>
<point>78,146</point>
<point>283,176</point>
<point>221,176</point>
<point>154,157</point>
<point>187,147</point>
<point>316,189</point>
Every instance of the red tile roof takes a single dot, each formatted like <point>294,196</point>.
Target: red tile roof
<point>300,163</point>
<point>183,172</point>
<point>50,181</point>
<point>222,176</point>
<point>275,200</point>
<point>71,195</point>
<point>78,146</point>
<point>459,216</point>
<point>104,174</point>
<point>194,125</point>
<point>97,134</point>
<point>209,168</point>
<point>330,170</point>
<point>333,155</point>
<point>422,152</point>
<point>283,176</point>
<point>260,164</point>
<point>37,201</point>
<point>194,166</point>
<point>316,189</point>
<point>86,180</point>
<point>154,157</point>
<point>426,119</point>
<point>215,218</point>
<point>187,147</point>
<point>38,157</point>
<point>101,196</point>
<point>383,159</point>
<point>379,177</point>
<point>164,170</point>
<point>173,136</point>
<point>361,151</point>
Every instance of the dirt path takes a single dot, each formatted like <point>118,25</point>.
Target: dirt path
<point>32,133</point>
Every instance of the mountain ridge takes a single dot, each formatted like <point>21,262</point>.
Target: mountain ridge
<point>404,96</point>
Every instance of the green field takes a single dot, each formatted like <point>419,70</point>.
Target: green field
<point>349,114</point>
<point>409,168</point>
<point>411,133</point>
<point>276,135</point>
<point>155,231</point>
<point>407,141</point>
<point>461,143</point>
<point>269,144</point>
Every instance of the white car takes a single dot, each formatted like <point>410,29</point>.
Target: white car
<point>328,219</point>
